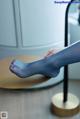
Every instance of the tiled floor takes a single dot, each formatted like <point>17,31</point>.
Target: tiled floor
<point>23,104</point>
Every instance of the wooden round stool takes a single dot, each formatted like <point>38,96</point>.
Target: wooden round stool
<point>10,81</point>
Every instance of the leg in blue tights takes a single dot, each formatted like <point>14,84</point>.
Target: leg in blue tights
<point>49,66</point>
